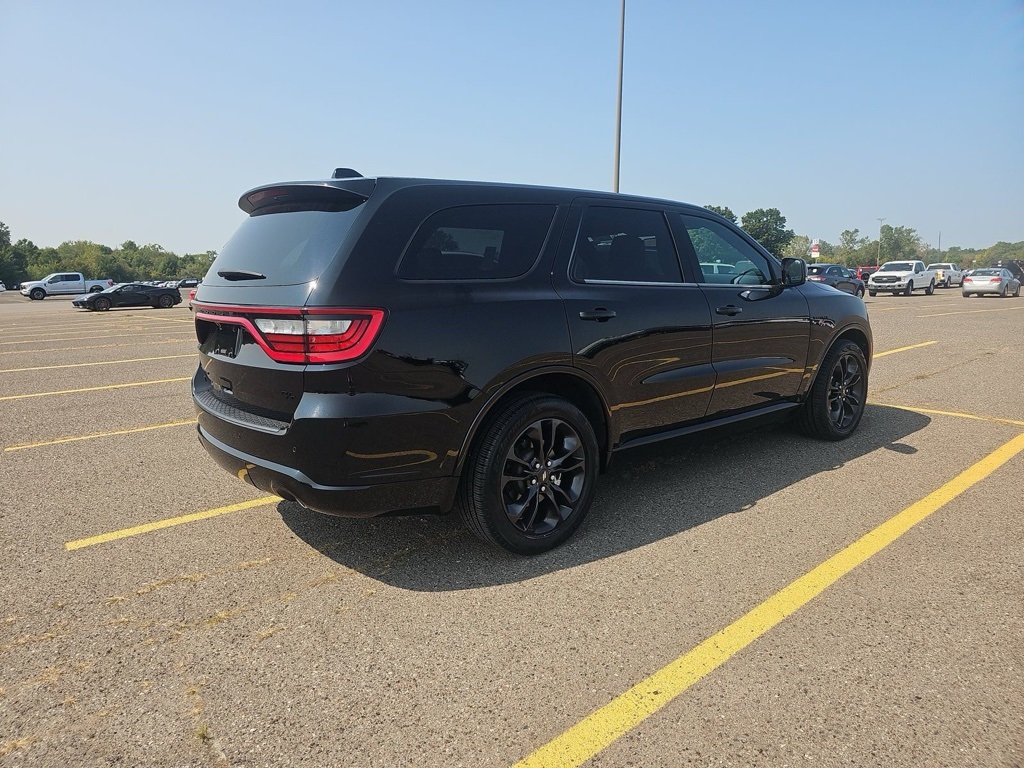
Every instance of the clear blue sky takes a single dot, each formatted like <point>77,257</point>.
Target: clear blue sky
<point>146,121</point>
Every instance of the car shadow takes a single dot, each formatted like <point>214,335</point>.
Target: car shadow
<point>649,493</point>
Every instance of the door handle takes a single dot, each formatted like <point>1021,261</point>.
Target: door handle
<point>729,310</point>
<point>600,314</point>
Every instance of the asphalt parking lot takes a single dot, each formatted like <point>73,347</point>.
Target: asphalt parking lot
<point>760,599</point>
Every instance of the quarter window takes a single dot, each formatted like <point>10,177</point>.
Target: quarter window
<point>475,242</point>
<point>624,245</point>
<point>717,246</point>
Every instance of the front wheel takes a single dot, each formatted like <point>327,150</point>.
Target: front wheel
<point>930,289</point>
<point>1016,291</point>
<point>909,289</point>
<point>837,398</point>
<point>528,482</point>
<point>101,304</point>
<point>37,294</point>
<point>859,293</point>
<point>872,293</point>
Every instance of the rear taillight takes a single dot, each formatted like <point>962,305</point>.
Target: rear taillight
<point>307,335</point>
<point>995,280</point>
<point>816,279</point>
<point>968,280</point>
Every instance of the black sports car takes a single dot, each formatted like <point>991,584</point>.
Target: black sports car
<point>129,295</point>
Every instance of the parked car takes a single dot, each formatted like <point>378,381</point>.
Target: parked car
<point>902,277</point>
<point>62,284</point>
<point>2,286</point>
<point>129,295</point>
<point>188,282</point>
<point>947,274</point>
<point>837,276</point>
<point>864,273</point>
<point>994,281</point>
<point>370,346</point>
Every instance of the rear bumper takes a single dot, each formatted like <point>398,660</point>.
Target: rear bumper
<point>372,500</point>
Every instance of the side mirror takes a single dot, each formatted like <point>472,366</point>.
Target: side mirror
<point>794,271</point>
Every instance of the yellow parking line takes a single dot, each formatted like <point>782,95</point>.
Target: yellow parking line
<point>94,346</point>
<point>86,365</point>
<point>615,719</point>
<point>975,311</point>
<point>92,389</point>
<point>168,523</point>
<point>90,335</point>
<point>904,349</point>
<point>993,419</point>
<point>58,441</point>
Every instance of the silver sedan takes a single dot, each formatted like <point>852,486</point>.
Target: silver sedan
<point>991,280</point>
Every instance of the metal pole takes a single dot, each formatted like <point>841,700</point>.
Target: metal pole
<point>618,104</point>
<point>878,257</point>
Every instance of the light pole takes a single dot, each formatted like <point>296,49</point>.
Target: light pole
<point>618,103</point>
<point>878,256</point>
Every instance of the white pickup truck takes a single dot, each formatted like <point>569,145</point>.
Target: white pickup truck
<point>947,274</point>
<point>902,277</point>
<point>62,284</point>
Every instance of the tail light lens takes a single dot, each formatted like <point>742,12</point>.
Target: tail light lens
<point>996,280</point>
<point>306,335</point>
<point>816,278</point>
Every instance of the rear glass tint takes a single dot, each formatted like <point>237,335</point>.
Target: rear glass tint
<point>476,242</point>
<point>289,248</point>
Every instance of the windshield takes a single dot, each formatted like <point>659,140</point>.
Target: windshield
<point>289,248</point>
<point>897,266</point>
<point>940,266</point>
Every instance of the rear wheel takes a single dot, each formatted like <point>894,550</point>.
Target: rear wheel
<point>836,401</point>
<point>1016,291</point>
<point>96,289</point>
<point>166,301</point>
<point>102,304</point>
<point>529,480</point>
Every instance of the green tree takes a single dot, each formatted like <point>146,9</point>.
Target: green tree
<point>768,227</point>
<point>723,211</point>
<point>799,247</point>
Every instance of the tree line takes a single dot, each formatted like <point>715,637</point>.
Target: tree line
<point>768,227</point>
<point>24,260</point>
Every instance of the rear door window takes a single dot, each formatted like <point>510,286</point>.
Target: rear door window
<point>478,242</point>
<point>624,245</point>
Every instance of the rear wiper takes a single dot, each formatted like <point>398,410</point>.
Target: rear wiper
<point>240,274</point>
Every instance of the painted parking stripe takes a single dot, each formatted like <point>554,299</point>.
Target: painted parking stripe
<point>904,349</point>
<point>168,523</point>
<point>94,346</point>
<point>59,441</point>
<point>88,365</point>
<point>975,311</point>
<point>617,718</point>
<point>93,389</point>
<point>98,333</point>
<point>957,414</point>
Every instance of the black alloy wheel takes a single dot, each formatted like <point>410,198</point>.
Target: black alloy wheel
<point>835,404</point>
<point>528,483</point>
<point>166,301</point>
<point>101,304</point>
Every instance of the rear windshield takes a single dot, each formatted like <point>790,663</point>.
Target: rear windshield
<point>289,248</point>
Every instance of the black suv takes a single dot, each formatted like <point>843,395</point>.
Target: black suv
<point>371,346</point>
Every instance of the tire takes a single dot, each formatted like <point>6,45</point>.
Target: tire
<point>835,403</point>
<point>101,304</point>
<point>1016,291</point>
<point>966,295</point>
<point>499,496</point>
<point>930,289</point>
<point>859,293</point>
<point>1002,292</point>
<point>166,301</point>
<point>909,289</point>
<point>872,293</point>
<point>96,289</point>
<point>37,294</point>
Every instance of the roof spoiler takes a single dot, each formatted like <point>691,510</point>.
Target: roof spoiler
<point>306,196</point>
<point>346,173</point>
